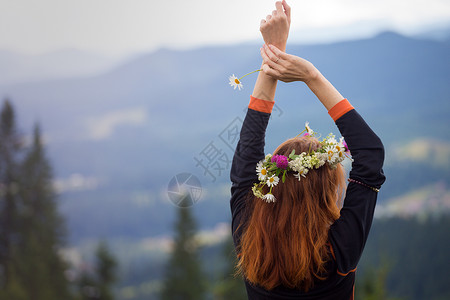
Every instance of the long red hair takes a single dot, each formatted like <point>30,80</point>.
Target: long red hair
<point>284,243</point>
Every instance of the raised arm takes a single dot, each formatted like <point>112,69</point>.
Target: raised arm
<point>349,233</point>
<point>275,30</point>
<point>250,148</point>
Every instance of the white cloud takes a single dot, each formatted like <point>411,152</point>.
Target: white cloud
<point>102,127</point>
<point>76,182</point>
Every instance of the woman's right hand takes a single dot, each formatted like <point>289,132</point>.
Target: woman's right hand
<point>287,67</point>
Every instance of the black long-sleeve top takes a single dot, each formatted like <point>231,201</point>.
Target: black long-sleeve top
<point>348,235</point>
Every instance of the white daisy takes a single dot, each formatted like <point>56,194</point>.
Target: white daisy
<point>269,198</point>
<point>331,139</point>
<point>301,173</point>
<point>235,82</point>
<point>261,170</point>
<point>340,148</point>
<point>268,157</point>
<point>332,154</point>
<point>272,180</point>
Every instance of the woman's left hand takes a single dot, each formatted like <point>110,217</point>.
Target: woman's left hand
<point>275,28</point>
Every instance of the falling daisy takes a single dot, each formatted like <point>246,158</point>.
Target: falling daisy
<point>236,82</point>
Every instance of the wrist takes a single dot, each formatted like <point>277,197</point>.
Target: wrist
<point>324,90</point>
<point>313,76</point>
<point>265,87</point>
<point>281,46</point>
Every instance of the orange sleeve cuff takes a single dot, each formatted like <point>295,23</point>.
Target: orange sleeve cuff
<point>264,106</point>
<point>340,109</point>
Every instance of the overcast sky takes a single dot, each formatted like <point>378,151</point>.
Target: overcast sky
<point>123,27</point>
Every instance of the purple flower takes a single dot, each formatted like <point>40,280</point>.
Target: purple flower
<point>345,146</point>
<point>281,160</point>
<point>306,134</point>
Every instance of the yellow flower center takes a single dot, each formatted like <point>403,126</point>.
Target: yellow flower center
<point>237,81</point>
<point>330,154</point>
<point>338,148</point>
<point>271,179</point>
<point>263,172</point>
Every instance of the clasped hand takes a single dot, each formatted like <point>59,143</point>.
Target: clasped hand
<point>286,67</point>
<point>277,63</point>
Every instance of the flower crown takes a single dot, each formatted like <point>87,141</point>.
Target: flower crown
<point>268,170</point>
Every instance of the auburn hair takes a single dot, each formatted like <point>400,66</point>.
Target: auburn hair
<point>285,243</point>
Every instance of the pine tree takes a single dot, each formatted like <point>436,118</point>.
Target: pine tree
<point>230,286</point>
<point>184,277</point>
<point>41,266</point>
<point>373,285</point>
<point>106,271</point>
<point>31,231</point>
<point>10,148</point>
<point>98,285</point>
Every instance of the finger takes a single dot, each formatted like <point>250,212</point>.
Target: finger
<point>268,18</point>
<point>277,52</point>
<point>262,23</point>
<point>271,72</point>
<point>287,9</point>
<point>272,56</point>
<point>265,57</point>
<point>269,58</point>
<point>279,7</point>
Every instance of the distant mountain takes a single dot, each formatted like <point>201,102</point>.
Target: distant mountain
<point>116,139</point>
<point>439,34</point>
<point>19,68</point>
<point>433,200</point>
